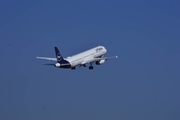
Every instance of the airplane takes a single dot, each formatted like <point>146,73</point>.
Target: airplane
<point>93,55</point>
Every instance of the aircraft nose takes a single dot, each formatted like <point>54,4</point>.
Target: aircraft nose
<point>105,50</point>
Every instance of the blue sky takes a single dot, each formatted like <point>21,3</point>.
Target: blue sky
<point>142,84</point>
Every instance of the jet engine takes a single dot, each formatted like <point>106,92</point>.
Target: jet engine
<point>57,65</point>
<point>100,62</point>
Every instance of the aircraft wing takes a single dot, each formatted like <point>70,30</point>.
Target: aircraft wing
<point>47,58</point>
<point>98,59</point>
<point>105,58</point>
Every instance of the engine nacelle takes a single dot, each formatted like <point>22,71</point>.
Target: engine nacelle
<point>57,65</point>
<point>100,62</point>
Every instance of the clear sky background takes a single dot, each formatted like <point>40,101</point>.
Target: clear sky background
<point>142,84</point>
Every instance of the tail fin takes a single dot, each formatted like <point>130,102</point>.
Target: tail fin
<point>58,55</point>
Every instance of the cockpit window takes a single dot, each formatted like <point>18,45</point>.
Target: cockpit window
<point>99,49</point>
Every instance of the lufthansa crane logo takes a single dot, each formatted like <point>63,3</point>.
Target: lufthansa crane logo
<point>58,56</point>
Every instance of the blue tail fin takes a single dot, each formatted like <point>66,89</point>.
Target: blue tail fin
<point>63,62</point>
<point>58,55</point>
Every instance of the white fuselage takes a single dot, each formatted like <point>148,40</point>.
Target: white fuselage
<point>90,54</point>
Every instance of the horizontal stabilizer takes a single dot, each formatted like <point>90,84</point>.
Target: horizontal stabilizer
<point>47,58</point>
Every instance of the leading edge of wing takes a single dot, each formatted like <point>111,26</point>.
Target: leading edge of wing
<point>97,59</point>
<point>106,58</point>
